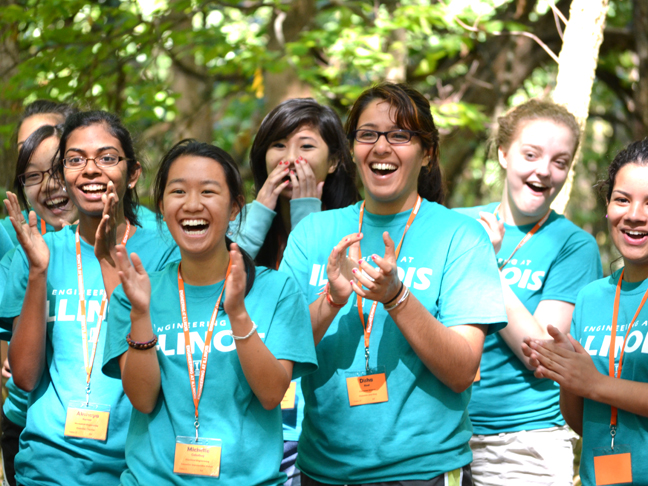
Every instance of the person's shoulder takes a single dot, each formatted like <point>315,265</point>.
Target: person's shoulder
<point>570,232</point>
<point>451,221</point>
<point>325,221</point>
<point>473,212</point>
<point>594,289</point>
<point>267,278</point>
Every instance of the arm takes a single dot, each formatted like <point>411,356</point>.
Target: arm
<point>267,376</point>
<point>306,192</point>
<point>27,352</point>
<point>451,354</point>
<point>140,368</point>
<point>571,407</point>
<point>521,323</point>
<point>253,228</point>
<point>576,373</point>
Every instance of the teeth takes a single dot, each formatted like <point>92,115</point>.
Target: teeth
<point>194,222</point>
<point>383,166</point>
<point>56,201</point>
<point>536,185</point>
<point>636,233</point>
<point>94,187</point>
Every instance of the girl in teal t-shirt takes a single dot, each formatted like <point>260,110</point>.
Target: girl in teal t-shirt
<point>229,339</point>
<point>57,334</point>
<point>301,164</point>
<point>544,260</point>
<point>606,400</point>
<point>402,292</point>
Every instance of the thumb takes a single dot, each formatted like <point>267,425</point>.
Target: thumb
<point>390,249</point>
<point>577,346</point>
<point>555,333</point>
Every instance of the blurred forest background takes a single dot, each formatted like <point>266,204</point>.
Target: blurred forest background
<point>212,69</point>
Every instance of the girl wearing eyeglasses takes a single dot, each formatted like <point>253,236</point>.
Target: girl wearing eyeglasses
<point>399,310</point>
<point>544,260</point>
<point>56,301</point>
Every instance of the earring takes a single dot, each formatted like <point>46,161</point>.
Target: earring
<point>130,186</point>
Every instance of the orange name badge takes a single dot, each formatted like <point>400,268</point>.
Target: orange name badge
<point>288,401</point>
<point>87,421</point>
<point>197,458</point>
<point>366,389</point>
<point>613,468</point>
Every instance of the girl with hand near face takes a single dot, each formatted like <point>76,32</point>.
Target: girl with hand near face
<point>397,319</point>
<point>544,260</point>
<point>247,331</point>
<point>57,299</point>
<point>601,366</point>
<point>301,164</point>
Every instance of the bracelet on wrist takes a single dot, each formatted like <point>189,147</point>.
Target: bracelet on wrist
<point>395,296</point>
<point>141,346</point>
<point>329,299</point>
<point>241,338</point>
<point>400,301</point>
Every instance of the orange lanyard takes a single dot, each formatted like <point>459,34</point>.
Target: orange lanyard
<point>367,328</point>
<point>43,227</point>
<point>205,352</point>
<point>615,315</point>
<point>527,237</point>
<point>89,361</point>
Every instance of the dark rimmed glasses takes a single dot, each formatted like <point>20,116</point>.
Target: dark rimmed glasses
<point>33,178</point>
<point>394,137</point>
<point>77,162</point>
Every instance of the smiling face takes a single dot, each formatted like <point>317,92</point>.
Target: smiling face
<point>197,205</point>
<point>48,198</point>
<point>305,142</point>
<point>537,164</point>
<point>389,172</point>
<point>86,186</point>
<point>628,217</point>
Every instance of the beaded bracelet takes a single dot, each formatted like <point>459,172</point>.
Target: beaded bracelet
<point>400,301</point>
<point>330,300</point>
<point>141,346</point>
<point>241,338</point>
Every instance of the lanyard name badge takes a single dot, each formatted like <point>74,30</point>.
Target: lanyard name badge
<point>84,419</point>
<point>613,465</point>
<point>370,385</point>
<point>197,456</point>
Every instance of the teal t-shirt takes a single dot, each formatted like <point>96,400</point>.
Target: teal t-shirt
<point>11,232</point>
<point>423,430</point>
<point>252,445</point>
<point>46,456</point>
<point>591,327</point>
<point>249,230</point>
<point>558,261</point>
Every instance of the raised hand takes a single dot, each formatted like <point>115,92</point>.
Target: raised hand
<point>304,183</point>
<point>106,235</point>
<point>339,269</point>
<point>28,235</point>
<point>379,283</point>
<point>234,303</point>
<point>560,339</point>
<point>135,281</point>
<point>494,228</point>
<point>273,186</point>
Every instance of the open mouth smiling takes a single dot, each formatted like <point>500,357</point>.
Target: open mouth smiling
<point>94,188</point>
<point>382,168</point>
<point>537,187</point>
<point>194,226</point>
<point>57,202</point>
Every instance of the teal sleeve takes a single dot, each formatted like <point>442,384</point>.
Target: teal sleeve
<point>577,264</point>
<point>302,207</point>
<point>251,227</point>
<point>119,325</point>
<point>5,242</point>
<point>14,293</point>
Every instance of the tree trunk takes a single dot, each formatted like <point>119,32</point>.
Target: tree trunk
<point>576,68</point>
<point>640,21</point>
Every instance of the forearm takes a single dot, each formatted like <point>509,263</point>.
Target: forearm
<point>448,354</point>
<point>571,407</point>
<point>267,376</point>
<point>27,350</point>
<point>140,368</point>
<point>322,314</point>
<point>110,277</point>
<point>631,396</point>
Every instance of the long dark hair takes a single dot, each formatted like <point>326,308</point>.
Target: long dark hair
<point>339,187</point>
<point>25,154</point>
<point>412,113</point>
<point>190,147</point>
<point>635,153</point>
<point>117,130</point>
